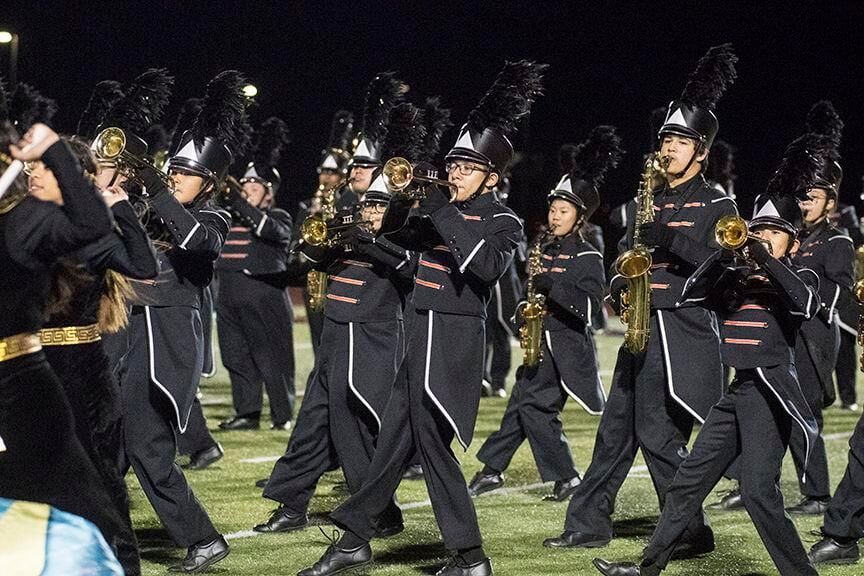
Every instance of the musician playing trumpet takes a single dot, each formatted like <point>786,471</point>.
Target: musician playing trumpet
<point>571,281</point>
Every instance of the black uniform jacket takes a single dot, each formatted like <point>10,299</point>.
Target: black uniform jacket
<point>689,339</point>
<point>34,234</point>
<point>761,312</point>
<point>465,250</point>
<point>173,300</point>
<point>829,253</point>
<point>257,243</point>
<point>577,292</point>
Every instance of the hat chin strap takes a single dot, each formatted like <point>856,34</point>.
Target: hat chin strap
<point>699,147</point>
<point>476,193</point>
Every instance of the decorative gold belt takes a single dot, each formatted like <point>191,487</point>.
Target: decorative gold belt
<point>19,345</point>
<point>70,335</point>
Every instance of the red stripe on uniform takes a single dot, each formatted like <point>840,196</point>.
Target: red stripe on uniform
<point>441,248</point>
<point>752,307</point>
<point>238,242</point>
<point>344,280</point>
<point>434,266</point>
<point>233,256</point>
<point>467,217</point>
<point>427,284</point>
<point>659,286</point>
<point>745,324</point>
<point>342,299</point>
<point>557,269</point>
<point>681,224</point>
<point>239,229</point>
<point>746,341</point>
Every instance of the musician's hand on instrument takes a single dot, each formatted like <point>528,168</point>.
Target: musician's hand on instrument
<point>543,283</point>
<point>34,143</point>
<point>758,251</point>
<point>358,236</point>
<point>436,198</point>
<point>655,234</point>
<point>114,194</point>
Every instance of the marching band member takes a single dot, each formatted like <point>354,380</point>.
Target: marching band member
<point>166,348</point>
<point>659,393</point>
<point>360,349</point>
<point>830,254</point>
<point>254,309</point>
<point>762,302</point>
<point>467,241</point>
<point>572,282</point>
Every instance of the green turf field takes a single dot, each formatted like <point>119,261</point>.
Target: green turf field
<point>514,521</point>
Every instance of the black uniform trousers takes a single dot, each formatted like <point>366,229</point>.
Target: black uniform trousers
<point>197,436</point>
<point>847,368</point>
<point>413,424</point>
<point>151,443</point>
<point>639,413</point>
<point>533,412</point>
<point>315,318</point>
<point>815,484</point>
<point>340,417</point>
<point>44,460</point>
<point>257,344</point>
<point>498,353</point>
<point>748,422</point>
<point>85,374</point>
<point>844,517</point>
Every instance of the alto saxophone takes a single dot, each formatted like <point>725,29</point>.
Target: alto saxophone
<point>532,310</point>
<point>316,281</point>
<point>635,263</point>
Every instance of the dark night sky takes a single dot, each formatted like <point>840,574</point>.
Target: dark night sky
<point>611,62</point>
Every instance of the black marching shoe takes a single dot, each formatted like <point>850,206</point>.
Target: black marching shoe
<point>281,425</point>
<point>571,539</point>
<point>730,501</point>
<point>454,568</point>
<point>240,423</point>
<point>701,544</point>
<point>616,568</point>
<point>204,458</point>
<point>282,520</point>
<point>809,506</point>
<point>413,472</point>
<point>563,489</point>
<point>482,483</point>
<point>262,483</point>
<point>829,551</point>
<point>200,558</point>
<point>336,560</point>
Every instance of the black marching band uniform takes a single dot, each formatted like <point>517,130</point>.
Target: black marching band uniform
<point>762,302</point>
<point>254,308</point>
<point>657,395</point>
<point>829,253</point>
<point>572,281</point>
<point>41,456</point>
<point>361,345</point>
<point>166,347</point>
<point>846,219</point>
<point>466,247</point>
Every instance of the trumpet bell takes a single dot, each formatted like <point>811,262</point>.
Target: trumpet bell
<point>109,144</point>
<point>314,230</point>
<point>731,232</point>
<point>634,262</point>
<point>397,174</point>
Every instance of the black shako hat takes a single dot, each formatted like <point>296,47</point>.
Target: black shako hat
<point>270,140</point>
<point>588,163</point>
<point>384,92</point>
<point>485,137</point>
<point>692,115</point>
<point>219,132</point>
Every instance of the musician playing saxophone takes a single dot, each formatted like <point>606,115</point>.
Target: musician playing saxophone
<point>571,282</point>
<point>657,394</point>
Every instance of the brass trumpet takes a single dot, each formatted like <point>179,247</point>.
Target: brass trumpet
<point>316,231</point>
<point>110,145</point>
<point>731,232</point>
<point>398,174</point>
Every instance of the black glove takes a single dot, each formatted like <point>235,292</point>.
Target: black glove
<point>758,252</point>
<point>153,181</point>
<point>655,234</point>
<point>436,198</point>
<point>357,236</point>
<point>543,283</point>
<point>235,200</point>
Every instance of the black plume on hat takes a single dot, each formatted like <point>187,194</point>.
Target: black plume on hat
<point>188,112</point>
<point>385,91</point>
<point>714,73</point>
<point>823,119</point>
<point>103,96</point>
<point>28,107</point>
<point>509,98</point>
<point>598,154</point>
<point>157,138</point>
<point>406,133</point>
<point>800,166</point>
<point>143,103</point>
<point>270,140</point>
<point>341,130</point>
<point>437,121</point>
<point>223,112</point>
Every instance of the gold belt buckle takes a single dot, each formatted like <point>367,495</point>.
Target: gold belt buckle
<point>19,345</point>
